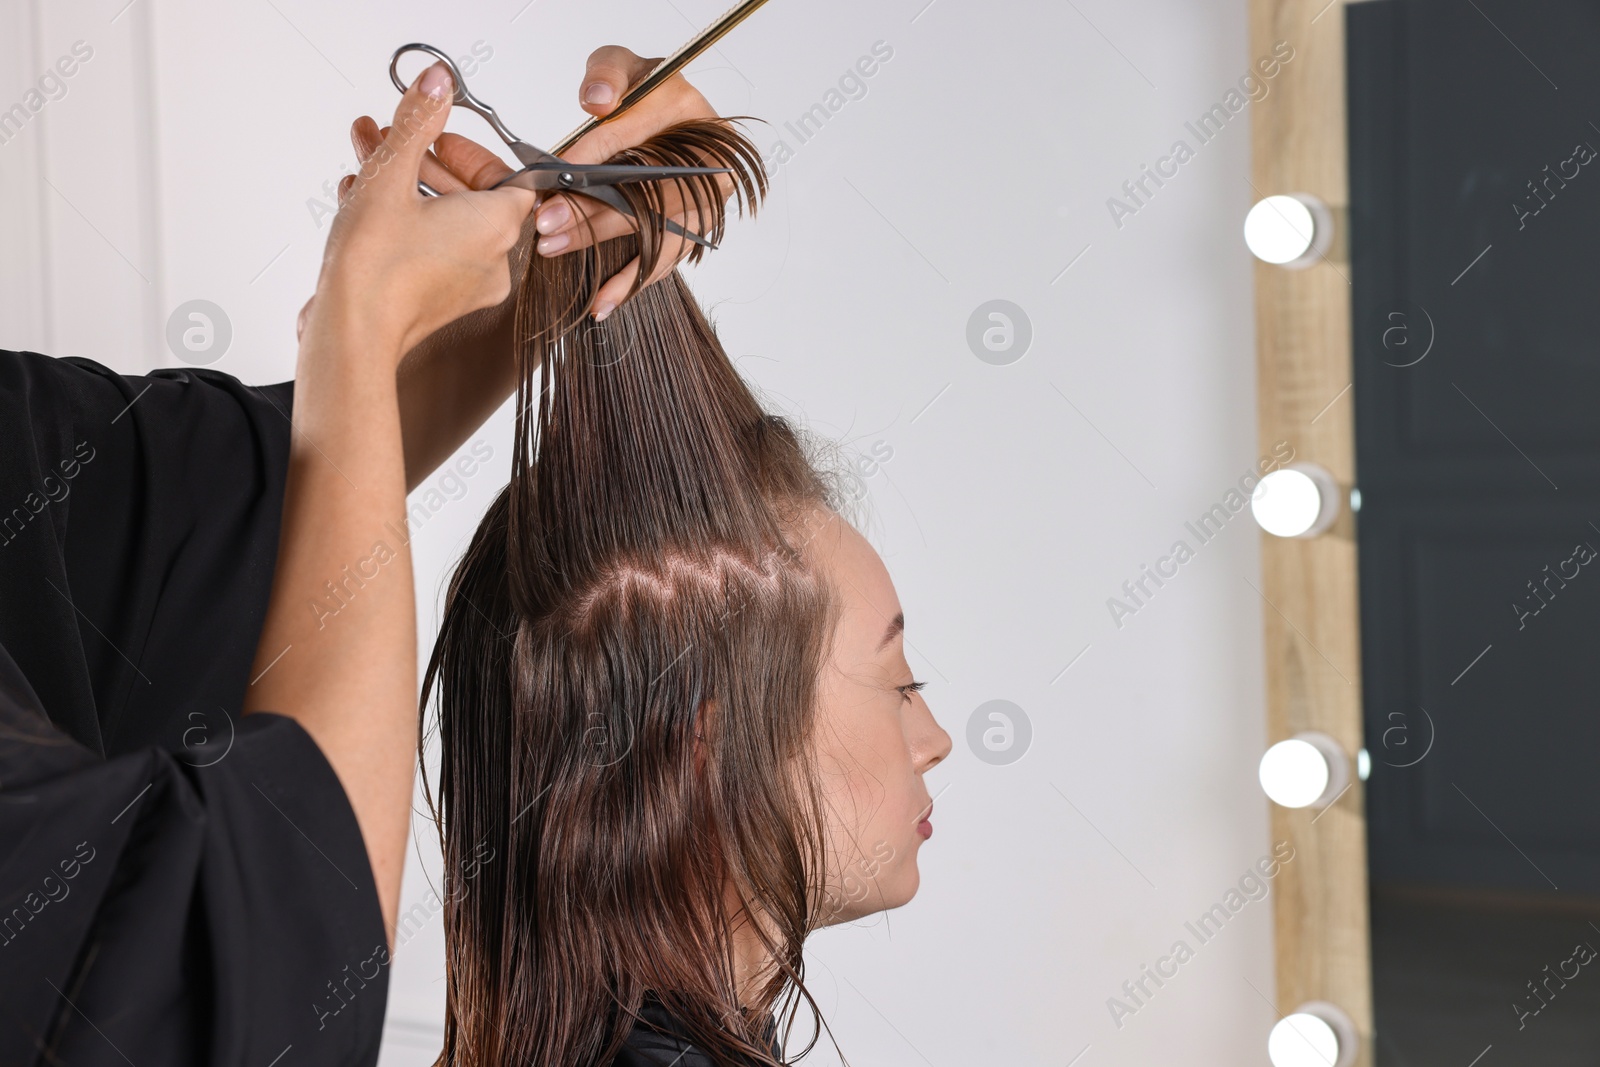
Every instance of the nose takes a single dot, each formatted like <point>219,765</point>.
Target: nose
<point>930,743</point>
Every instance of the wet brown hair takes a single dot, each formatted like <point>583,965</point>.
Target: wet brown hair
<point>638,586</point>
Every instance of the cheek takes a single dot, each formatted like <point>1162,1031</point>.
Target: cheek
<point>873,791</point>
<point>865,760</point>
<point>856,735</point>
<point>867,774</point>
<point>872,799</point>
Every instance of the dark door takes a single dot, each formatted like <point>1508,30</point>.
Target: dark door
<point>1475,228</point>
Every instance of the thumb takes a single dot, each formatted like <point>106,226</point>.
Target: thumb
<point>418,121</point>
<point>610,72</point>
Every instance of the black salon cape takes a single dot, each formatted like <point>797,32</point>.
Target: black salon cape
<point>178,885</point>
<point>659,1040</point>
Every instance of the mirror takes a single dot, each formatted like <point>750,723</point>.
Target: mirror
<point>1474,208</point>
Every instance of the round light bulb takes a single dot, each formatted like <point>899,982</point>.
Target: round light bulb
<point>1302,1040</point>
<point>1290,231</point>
<point>1309,769</point>
<point>1301,500</point>
<point>1316,1034</point>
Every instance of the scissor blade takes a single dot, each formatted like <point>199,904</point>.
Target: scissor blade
<point>546,177</point>
<point>530,156</point>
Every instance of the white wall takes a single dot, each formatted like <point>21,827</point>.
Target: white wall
<point>1018,498</point>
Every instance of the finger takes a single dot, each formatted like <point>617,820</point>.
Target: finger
<point>557,216</point>
<point>418,121</point>
<point>610,70</point>
<point>439,177</point>
<point>609,295</point>
<point>616,288</point>
<point>589,223</point>
<point>436,174</point>
<point>565,222</point>
<point>673,102</point>
<point>365,137</point>
<point>470,161</point>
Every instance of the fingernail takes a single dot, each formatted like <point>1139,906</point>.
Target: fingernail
<point>598,93</point>
<point>602,309</point>
<point>436,82</point>
<point>551,245</point>
<point>554,217</point>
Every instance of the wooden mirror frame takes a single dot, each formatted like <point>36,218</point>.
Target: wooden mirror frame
<point>1311,616</point>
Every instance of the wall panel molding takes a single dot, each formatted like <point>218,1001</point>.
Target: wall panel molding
<point>24,239</point>
<point>96,196</point>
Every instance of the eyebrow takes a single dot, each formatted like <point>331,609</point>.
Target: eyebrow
<point>896,625</point>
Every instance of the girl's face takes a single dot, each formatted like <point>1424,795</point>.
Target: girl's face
<point>874,738</point>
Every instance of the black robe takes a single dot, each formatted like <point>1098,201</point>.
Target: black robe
<point>178,884</point>
<point>659,1039</point>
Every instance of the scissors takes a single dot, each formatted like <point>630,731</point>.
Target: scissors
<point>546,172</point>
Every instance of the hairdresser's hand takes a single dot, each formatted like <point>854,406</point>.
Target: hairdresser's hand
<point>405,264</point>
<point>459,164</point>
<point>398,266</point>
<point>611,71</point>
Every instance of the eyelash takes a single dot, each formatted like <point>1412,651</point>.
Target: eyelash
<point>907,690</point>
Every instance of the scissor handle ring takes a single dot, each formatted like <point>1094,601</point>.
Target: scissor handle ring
<point>462,97</point>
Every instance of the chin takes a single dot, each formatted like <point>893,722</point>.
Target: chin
<point>897,891</point>
<point>886,894</point>
<point>913,882</point>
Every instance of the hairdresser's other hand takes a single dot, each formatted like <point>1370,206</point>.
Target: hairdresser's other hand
<point>560,220</point>
<point>406,264</point>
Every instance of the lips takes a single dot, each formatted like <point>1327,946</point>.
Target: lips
<point>925,824</point>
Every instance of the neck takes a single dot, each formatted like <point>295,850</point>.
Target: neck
<point>752,963</point>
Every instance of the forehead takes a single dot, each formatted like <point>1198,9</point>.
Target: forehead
<point>866,593</point>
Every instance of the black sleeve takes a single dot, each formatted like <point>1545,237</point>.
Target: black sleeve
<point>139,520</point>
<point>211,905</point>
<point>177,884</point>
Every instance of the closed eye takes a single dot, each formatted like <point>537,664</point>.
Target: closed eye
<point>907,690</point>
